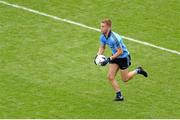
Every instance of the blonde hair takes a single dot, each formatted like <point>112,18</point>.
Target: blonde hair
<point>107,21</point>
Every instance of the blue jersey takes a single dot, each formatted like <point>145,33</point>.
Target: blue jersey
<point>114,41</point>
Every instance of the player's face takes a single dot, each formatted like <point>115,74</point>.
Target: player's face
<point>104,28</point>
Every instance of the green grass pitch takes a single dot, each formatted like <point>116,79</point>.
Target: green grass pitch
<point>47,69</point>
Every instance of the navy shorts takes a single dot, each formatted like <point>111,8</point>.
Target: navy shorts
<point>123,63</point>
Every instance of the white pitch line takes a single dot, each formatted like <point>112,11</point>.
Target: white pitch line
<point>85,26</point>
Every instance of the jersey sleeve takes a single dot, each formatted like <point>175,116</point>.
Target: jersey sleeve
<point>102,41</point>
<point>117,42</point>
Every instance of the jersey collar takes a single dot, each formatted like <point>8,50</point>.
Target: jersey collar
<point>108,34</point>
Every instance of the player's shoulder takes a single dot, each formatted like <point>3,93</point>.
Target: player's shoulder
<point>114,34</point>
<point>101,37</point>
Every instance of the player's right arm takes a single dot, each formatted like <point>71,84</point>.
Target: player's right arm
<point>101,50</point>
<point>102,46</point>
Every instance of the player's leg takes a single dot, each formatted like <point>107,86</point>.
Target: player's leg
<point>125,74</point>
<point>113,69</point>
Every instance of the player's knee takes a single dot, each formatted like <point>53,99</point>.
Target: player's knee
<point>125,79</point>
<point>110,77</point>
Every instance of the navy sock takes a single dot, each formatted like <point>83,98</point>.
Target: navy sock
<point>137,70</point>
<point>118,93</point>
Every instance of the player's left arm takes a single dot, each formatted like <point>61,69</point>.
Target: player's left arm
<point>118,47</point>
<point>118,53</point>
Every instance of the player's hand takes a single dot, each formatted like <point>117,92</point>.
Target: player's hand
<point>106,61</point>
<point>95,59</point>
